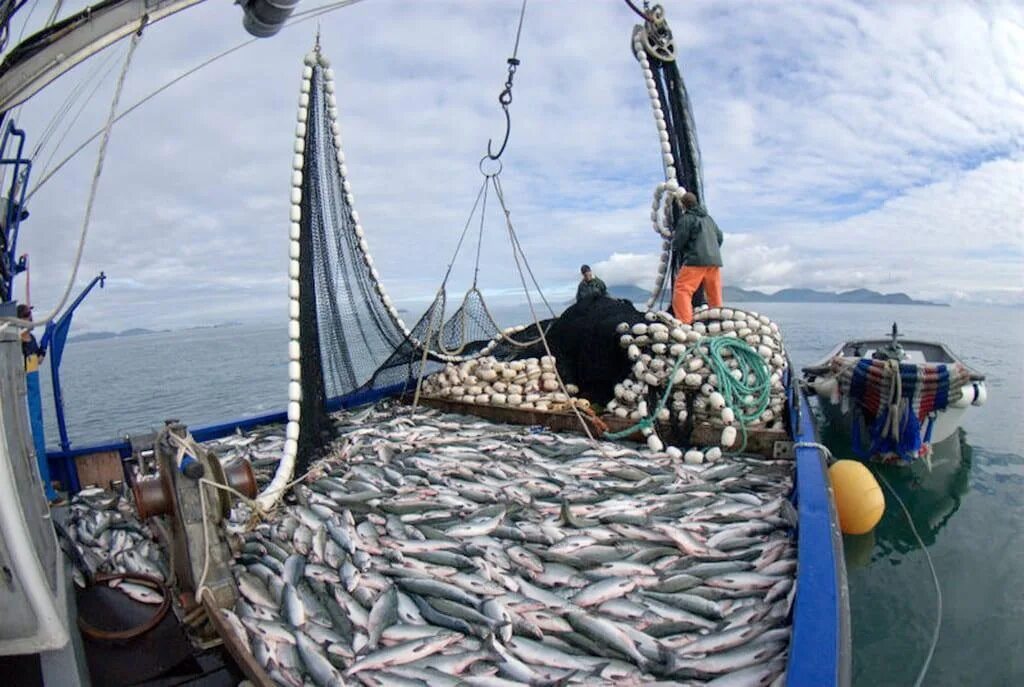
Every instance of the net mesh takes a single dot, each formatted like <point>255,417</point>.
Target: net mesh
<point>350,339</point>
<point>355,330</point>
<point>682,136</point>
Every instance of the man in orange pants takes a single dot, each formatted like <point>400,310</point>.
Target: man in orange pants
<point>696,240</point>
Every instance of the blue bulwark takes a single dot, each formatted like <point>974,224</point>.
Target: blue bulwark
<point>819,653</point>
<point>65,459</point>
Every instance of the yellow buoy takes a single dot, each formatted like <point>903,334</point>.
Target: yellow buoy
<point>859,500</point>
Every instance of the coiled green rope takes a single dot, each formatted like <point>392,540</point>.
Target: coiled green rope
<point>733,390</point>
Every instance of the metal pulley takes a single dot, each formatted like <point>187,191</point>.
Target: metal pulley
<point>185,495</point>
<point>657,36</point>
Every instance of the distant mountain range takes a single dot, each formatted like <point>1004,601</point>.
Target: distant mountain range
<point>97,336</point>
<point>732,294</point>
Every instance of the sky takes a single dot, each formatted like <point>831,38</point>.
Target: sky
<point>845,145</point>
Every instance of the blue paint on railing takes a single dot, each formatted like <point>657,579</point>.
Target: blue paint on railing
<point>64,461</point>
<point>819,650</point>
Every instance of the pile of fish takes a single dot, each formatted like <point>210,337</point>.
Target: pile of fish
<point>531,383</point>
<point>107,537</point>
<point>262,447</point>
<point>656,346</point>
<point>434,549</point>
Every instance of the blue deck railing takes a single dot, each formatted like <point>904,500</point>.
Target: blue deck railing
<point>62,463</point>
<point>819,651</point>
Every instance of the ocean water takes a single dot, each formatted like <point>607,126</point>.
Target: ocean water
<point>969,509</point>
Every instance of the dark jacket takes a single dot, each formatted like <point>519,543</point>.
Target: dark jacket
<point>696,239</point>
<point>590,289</point>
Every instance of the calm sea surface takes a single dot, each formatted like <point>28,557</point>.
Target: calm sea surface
<point>969,509</point>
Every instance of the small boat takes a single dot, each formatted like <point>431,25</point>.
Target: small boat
<point>895,398</point>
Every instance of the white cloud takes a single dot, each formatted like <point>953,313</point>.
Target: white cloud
<point>844,145</point>
<point>629,268</point>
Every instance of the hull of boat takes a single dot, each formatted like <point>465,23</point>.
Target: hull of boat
<point>945,424</point>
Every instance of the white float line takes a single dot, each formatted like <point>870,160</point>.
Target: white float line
<point>664,192</point>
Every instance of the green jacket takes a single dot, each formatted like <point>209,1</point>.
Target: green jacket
<point>696,239</point>
<point>590,289</point>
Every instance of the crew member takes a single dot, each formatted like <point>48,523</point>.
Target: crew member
<point>696,240</point>
<point>590,286</point>
<point>33,356</point>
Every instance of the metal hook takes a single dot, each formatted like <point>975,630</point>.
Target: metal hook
<point>505,98</point>
<point>508,130</point>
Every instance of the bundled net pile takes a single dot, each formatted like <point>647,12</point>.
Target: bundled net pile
<point>894,401</point>
<point>726,370</point>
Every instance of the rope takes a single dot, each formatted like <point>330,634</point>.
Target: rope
<point>935,580</point>
<point>732,390</point>
<point>29,324</point>
<point>636,9</point>
<point>110,65</point>
<point>296,19</point>
<point>423,360</point>
<point>146,626</point>
<point>480,234</point>
<point>913,528</point>
<point>519,247</point>
<point>516,250</point>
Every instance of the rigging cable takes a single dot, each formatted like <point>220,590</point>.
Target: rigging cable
<point>109,63</point>
<point>516,252</point>
<point>641,13</point>
<point>81,109</point>
<point>935,580</point>
<point>29,324</point>
<point>52,19</point>
<point>297,18</point>
<point>505,97</point>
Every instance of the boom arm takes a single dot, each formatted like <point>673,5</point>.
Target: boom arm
<point>43,57</point>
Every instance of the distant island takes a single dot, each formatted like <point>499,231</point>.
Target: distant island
<point>732,294</point>
<point>98,336</point>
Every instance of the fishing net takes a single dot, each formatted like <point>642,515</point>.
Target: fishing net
<point>469,332</point>
<point>351,336</point>
<point>682,137</point>
<point>586,346</point>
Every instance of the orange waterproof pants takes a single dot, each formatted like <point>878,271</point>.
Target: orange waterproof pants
<point>687,281</point>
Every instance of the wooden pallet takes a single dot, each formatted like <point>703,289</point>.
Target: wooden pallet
<point>768,442</point>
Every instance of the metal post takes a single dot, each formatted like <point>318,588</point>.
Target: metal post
<point>53,343</point>
<point>32,605</point>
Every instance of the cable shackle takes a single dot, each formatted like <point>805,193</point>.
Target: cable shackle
<point>505,97</point>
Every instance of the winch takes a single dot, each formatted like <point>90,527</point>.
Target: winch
<point>187,493</point>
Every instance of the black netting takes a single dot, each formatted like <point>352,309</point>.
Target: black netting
<point>356,332</point>
<point>465,333</point>
<point>586,345</point>
<point>682,136</point>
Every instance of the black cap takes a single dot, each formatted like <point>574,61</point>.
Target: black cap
<point>584,269</point>
<point>24,311</point>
